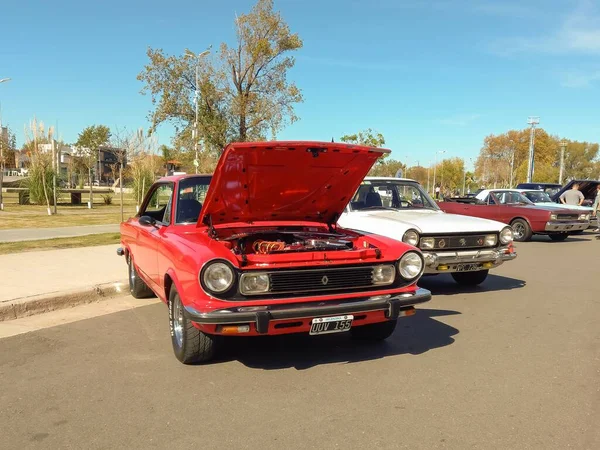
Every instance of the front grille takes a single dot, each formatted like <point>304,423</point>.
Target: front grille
<point>567,216</point>
<point>317,280</point>
<point>459,242</point>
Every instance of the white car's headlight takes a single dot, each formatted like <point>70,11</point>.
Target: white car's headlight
<point>411,237</point>
<point>427,243</point>
<point>584,217</point>
<point>216,277</point>
<point>489,240</point>
<point>254,283</point>
<point>506,235</point>
<point>553,217</point>
<point>410,266</point>
<point>384,274</point>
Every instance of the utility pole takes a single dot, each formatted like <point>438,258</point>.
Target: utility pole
<point>428,168</point>
<point>532,121</point>
<point>406,171</point>
<point>563,146</point>
<point>3,80</point>
<point>197,101</point>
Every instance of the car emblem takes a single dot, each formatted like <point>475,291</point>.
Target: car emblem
<point>324,280</point>
<point>479,241</point>
<point>462,242</point>
<point>442,243</point>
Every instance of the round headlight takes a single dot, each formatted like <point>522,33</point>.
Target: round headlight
<point>427,243</point>
<point>254,283</point>
<point>506,235</point>
<point>410,266</point>
<point>217,277</point>
<point>411,237</point>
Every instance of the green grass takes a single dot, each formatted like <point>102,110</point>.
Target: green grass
<point>58,243</point>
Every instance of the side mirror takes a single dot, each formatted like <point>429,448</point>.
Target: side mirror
<point>147,221</point>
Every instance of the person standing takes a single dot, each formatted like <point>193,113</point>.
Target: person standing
<point>573,196</point>
<point>597,208</point>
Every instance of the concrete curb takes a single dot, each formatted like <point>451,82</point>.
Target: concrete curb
<point>38,304</point>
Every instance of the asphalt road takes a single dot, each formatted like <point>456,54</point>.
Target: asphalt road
<point>514,364</point>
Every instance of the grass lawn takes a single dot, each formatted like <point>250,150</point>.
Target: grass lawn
<point>53,244</point>
<point>36,216</point>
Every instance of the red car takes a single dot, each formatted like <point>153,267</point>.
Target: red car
<point>526,219</point>
<point>255,250</point>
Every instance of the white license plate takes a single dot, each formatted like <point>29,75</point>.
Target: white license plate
<point>467,267</point>
<point>326,325</point>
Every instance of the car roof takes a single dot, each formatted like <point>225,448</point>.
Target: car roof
<point>175,178</point>
<point>389,179</point>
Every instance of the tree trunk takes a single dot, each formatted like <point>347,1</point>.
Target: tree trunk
<point>91,185</point>
<point>243,129</point>
<point>121,189</point>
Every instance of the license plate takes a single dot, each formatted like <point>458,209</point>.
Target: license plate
<point>326,325</point>
<point>467,267</point>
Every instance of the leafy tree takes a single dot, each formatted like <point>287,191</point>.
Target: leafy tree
<point>244,94</point>
<point>41,172</point>
<point>366,137</point>
<point>579,160</point>
<point>450,175</point>
<point>8,145</point>
<point>89,141</point>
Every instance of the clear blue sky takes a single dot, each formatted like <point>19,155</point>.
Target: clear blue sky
<point>429,75</point>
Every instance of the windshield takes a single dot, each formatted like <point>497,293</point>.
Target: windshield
<point>538,196</point>
<point>511,198</point>
<point>391,194</point>
<point>190,197</point>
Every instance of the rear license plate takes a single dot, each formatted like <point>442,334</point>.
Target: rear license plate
<point>325,325</point>
<point>467,267</point>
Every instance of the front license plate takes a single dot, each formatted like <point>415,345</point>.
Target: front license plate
<point>325,325</point>
<point>467,267</point>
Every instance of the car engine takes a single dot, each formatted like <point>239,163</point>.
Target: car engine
<point>287,241</point>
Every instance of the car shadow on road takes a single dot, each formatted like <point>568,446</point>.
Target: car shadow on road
<point>572,238</point>
<point>414,335</point>
<point>445,285</point>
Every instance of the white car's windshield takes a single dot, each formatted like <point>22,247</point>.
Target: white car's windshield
<point>391,194</point>
<point>538,196</point>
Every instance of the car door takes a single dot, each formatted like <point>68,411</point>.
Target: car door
<point>158,206</point>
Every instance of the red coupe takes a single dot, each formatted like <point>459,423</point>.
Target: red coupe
<point>526,219</point>
<point>255,249</point>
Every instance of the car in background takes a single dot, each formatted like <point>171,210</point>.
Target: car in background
<point>255,249</point>
<point>549,188</point>
<point>526,219</point>
<point>399,208</point>
<point>587,187</point>
<point>541,198</point>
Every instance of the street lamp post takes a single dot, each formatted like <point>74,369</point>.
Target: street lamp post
<point>563,146</point>
<point>406,171</point>
<point>3,80</point>
<point>197,100</point>
<point>532,121</point>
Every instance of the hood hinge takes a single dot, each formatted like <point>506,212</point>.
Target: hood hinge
<point>212,233</point>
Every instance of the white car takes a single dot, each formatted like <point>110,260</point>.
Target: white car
<point>399,208</point>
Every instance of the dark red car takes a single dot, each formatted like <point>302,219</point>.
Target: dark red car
<point>526,219</point>
<point>255,249</point>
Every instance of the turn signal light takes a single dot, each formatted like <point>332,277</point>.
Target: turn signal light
<point>442,267</point>
<point>233,329</point>
<point>488,265</point>
<point>408,312</point>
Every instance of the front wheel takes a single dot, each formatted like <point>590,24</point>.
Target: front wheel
<point>470,278</point>
<point>190,345</point>
<point>521,230</point>
<point>375,331</point>
<point>559,237</point>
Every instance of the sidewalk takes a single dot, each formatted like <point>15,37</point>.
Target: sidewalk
<point>34,282</point>
<point>34,234</point>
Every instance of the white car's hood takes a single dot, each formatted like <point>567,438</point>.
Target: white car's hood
<point>561,206</point>
<point>394,224</point>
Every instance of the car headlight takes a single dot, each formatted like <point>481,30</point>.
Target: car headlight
<point>506,235</point>
<point>553,217</point>
<point>489,240</point>
<point>217,277</point>
<point>384,274</point>
<point>254,283</point>
<point>411,237</point>
<point>410,266</point>
<point>427,243</point>
<point>584,217</point>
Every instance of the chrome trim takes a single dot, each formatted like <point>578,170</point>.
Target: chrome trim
<point>567,226</point>
<point>496,256</point>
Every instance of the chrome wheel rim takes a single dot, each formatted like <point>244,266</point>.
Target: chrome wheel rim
<point>131,275</point>
<point>519,230</point>
<point>178,322</point>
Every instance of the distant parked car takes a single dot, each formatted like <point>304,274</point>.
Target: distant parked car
<point>541,198</point>
<point>549,188</point>
<point>586,187</point>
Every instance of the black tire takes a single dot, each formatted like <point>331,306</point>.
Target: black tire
<point>190,345</point>
<point>375,331</point>
<point>559,237</point>
<point>577,232</point>
<point>521,230</point>
<point>137,287</point>
<point>470,278</point>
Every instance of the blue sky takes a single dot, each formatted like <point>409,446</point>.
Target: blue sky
<point>430,75</point>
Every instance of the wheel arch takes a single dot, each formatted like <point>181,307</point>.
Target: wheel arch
<point>170,280</point>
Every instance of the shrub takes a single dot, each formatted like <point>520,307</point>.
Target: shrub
<point>107,199</point>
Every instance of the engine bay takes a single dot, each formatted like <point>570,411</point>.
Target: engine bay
<point>268,242</point>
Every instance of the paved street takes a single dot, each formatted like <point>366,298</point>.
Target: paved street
<point>35,234</point>
<point>513,364</point>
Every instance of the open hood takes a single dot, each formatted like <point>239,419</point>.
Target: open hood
<point>285,181</point>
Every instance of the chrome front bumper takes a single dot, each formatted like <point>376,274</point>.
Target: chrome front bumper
<point>561,227</point>
<point>494,256</point>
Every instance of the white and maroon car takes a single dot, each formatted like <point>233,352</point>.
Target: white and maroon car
<point>399,208</point>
